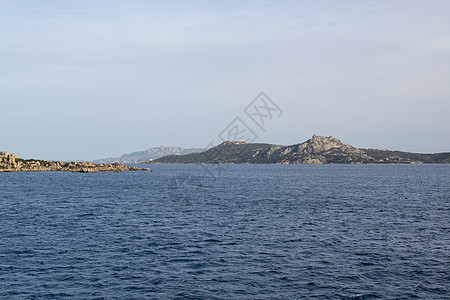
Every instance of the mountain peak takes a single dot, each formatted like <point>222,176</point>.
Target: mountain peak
<point>317,144</point>
<point>317,138</point>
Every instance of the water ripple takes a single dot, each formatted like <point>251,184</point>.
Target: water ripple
<point>259,232</point>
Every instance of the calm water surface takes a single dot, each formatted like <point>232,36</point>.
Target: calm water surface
<point>253,232</point>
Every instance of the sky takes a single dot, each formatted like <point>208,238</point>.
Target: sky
<point>82,80</point>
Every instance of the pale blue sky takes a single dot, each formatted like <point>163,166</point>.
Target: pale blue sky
<point>93,79</point>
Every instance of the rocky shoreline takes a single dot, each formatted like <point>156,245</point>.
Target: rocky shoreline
<point>9,162</point>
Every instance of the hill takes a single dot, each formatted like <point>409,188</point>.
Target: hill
<point>316,150</point>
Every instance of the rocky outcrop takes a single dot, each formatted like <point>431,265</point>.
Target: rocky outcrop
<point>316,150</point>
<point>319,150</point>
<point>10,162</point>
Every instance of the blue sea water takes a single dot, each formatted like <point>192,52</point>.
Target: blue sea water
<point>248,232</point>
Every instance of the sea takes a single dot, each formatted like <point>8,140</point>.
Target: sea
<point>227,232</point>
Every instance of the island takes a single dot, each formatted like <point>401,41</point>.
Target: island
<point>10,162</point>
<point>316,150</point>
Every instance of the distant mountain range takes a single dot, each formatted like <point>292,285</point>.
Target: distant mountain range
<point>317,150</point>
<point>147,155</point>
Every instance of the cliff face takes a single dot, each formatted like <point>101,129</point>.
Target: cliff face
<point>10,162</point>
<point>316,150</point>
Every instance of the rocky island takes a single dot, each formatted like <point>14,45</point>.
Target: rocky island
<point>9,162</point>
<point>316,150</point>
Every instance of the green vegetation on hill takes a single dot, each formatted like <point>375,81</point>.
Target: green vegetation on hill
<point>317,150</point>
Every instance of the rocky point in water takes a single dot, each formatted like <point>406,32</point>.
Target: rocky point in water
<point>9,162</point>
